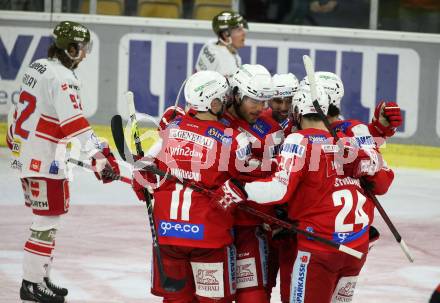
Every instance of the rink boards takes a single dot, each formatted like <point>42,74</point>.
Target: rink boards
<point>151,57</point>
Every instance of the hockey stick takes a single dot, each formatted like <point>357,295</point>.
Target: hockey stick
<point>108,173</point>
<point>167,283</point>
<point>121,141</point>
<point>118,135</point>
<point>308,65</point>
<point>267,218</point>
<point>257,213</point>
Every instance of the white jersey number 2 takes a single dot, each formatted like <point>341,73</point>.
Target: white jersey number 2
<point>345,197</point>
<point>176,203</point>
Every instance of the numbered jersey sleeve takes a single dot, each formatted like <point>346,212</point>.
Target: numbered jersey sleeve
<point>67,102</point>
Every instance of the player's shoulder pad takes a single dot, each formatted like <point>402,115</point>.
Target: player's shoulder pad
<point>262,127</point>
<point>363,136</point>
<point>294,145</point>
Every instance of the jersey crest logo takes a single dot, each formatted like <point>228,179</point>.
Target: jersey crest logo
<point>54,167</point>
<point>35,165</point>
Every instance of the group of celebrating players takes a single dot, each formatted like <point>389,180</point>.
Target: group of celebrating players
<point>245,136</point>
<point>258,139</point>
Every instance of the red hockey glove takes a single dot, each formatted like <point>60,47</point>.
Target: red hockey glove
<point>169,115</point>
<point>368,163</point>
<point>387,118</point>
<point>104,161</point>
<point>143,179</point>
<point>229,194</point>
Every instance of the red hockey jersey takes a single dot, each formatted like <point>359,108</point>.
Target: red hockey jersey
<point>266,138</point>
<point>286,125</point>
<point>206,153</point>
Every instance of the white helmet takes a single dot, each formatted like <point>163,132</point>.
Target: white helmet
<point>302,100</point>
<point>254,81</point>
<point>284,85</point>
<point>332,85</point>
<point>203,87</point>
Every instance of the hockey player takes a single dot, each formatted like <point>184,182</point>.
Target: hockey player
<point>323,201</point>
<point>194,236</point>
<point>47,116</point>
<point>280,241</point>
<point>285,85</point>
<point>221,55</point>
<point>252,88</point>
<point>387,118</point>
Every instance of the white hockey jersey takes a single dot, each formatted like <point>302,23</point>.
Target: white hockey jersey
<point>47,116</point>
<point>218,58</point>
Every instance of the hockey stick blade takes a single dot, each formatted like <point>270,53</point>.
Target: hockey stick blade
<point>119,138</point>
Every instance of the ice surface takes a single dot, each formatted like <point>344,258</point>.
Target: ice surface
<point>103,246</point>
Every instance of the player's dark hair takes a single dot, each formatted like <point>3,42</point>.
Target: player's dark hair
<point>333,111</point>
<point>312,117</point>
<point>60,54</point>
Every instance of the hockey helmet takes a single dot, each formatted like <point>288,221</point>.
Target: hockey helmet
<point>303,103</point>
<point>203,87</point>
<point>67,33</point>
<point>254,81</point>
<point>331,83</point>
<point>226,21</point>
<point>284,85</point>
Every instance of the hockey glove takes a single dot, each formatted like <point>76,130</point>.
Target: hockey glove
<point>104,162</point>
<point>230,194</point>
<point>169,115</point>
<point>142,178</point>
<point>387,118</point>
<point>367,163</point>
<point>373,236</point>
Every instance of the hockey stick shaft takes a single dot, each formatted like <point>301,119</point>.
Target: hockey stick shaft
<point>168,283</point>
<point>120,141</point>
<point>105,172</point>
<point>267,218</point>
<point>308,65</point>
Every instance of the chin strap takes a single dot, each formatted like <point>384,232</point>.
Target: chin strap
<point>74,59</point>
<point>219,113</point>
<point>228,44</point>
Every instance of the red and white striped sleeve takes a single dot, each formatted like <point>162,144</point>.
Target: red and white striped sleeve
<point>71,120</point>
